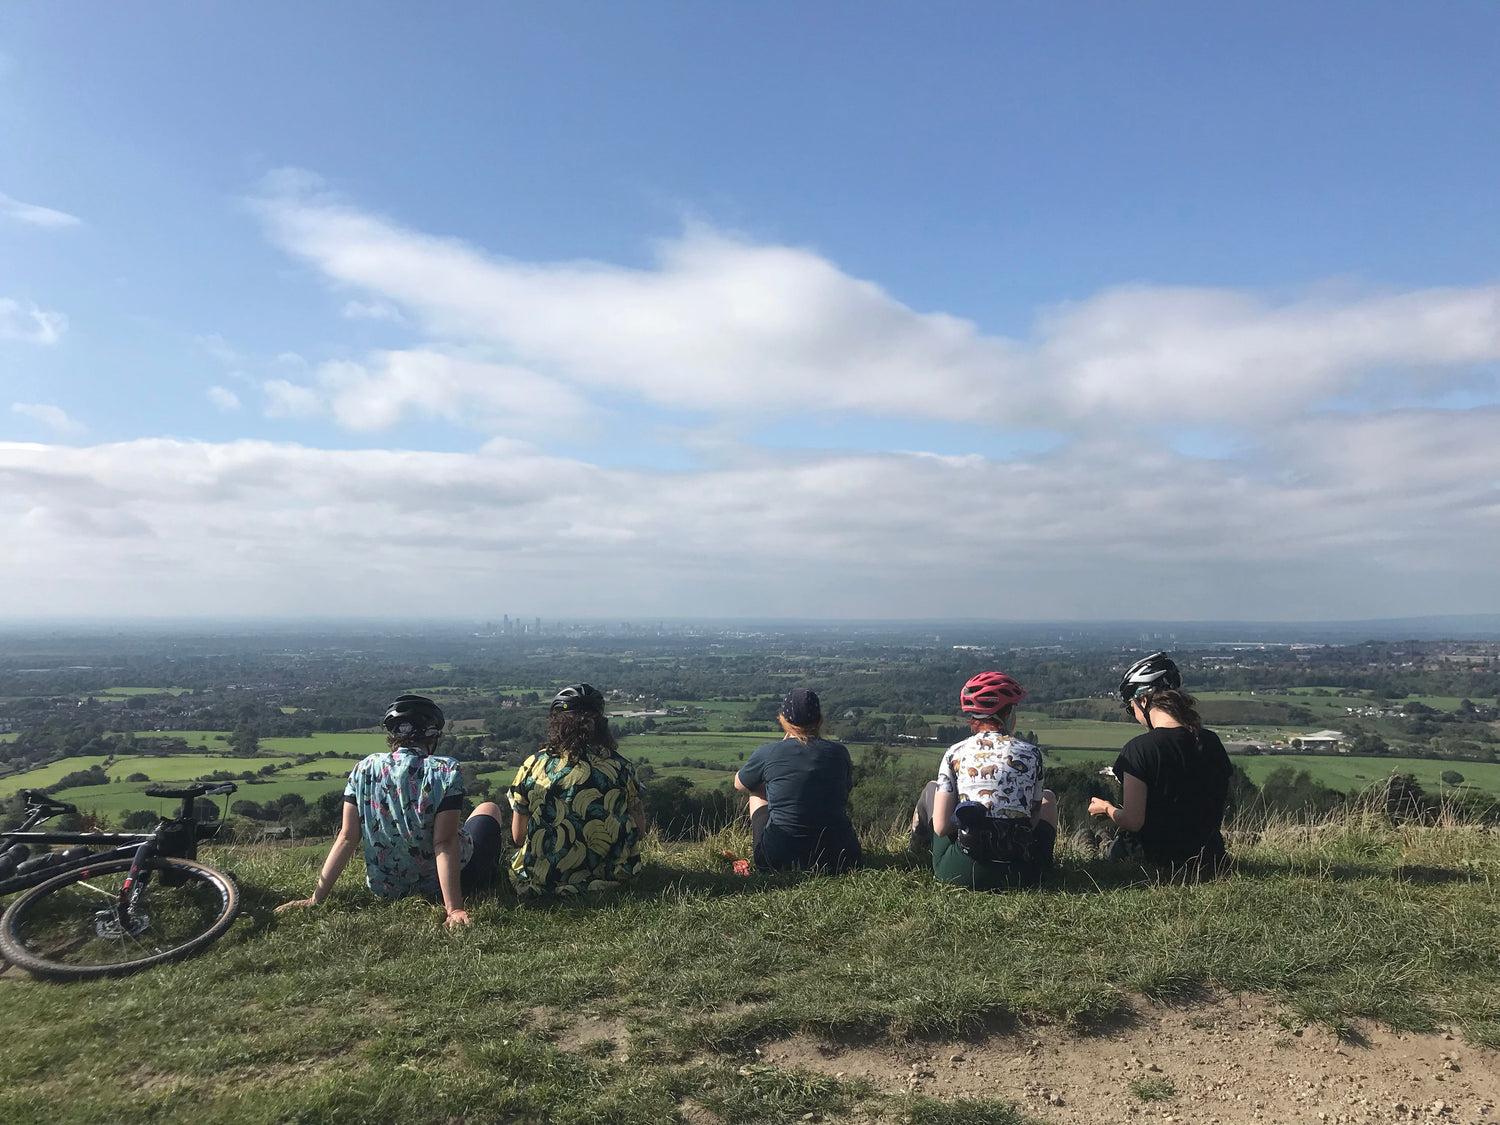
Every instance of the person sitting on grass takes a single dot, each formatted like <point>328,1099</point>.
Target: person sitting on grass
<point>799,790</point>
<point>1175,777</point>
<point>576,813</point>
<point>993,825</point>
<point>406,805</point>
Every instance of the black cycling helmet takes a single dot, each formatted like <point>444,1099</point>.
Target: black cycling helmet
<point>1150,673</point>
<point>414,715</point>
<point>579,697</point>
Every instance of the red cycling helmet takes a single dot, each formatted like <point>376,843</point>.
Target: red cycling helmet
<point>989,693</point>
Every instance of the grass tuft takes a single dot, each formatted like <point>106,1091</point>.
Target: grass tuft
<point>1152,1088</point>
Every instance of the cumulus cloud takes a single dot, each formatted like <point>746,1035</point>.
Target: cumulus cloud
<point>1341,518</point>
<point>719,323</point>
<point>225,399</point>
<point>409,386</point>
<point>53,417</point>
<point>33,215</point>
<point>29,324</point>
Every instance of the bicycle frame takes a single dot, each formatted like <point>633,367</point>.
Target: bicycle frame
<point>173,836</point>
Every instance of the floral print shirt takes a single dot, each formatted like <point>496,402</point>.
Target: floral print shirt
<point>998,770</point>
<point>580,835</point>
<point>398,796</point>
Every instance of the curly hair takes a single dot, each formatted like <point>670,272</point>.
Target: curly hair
<point>570,734</point>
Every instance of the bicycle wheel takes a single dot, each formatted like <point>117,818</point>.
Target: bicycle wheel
<point>67,927</point>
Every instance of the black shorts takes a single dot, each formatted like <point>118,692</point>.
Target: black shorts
<point>835,848</point>
<point>484,860</point>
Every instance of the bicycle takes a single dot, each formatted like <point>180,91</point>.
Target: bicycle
<point>86,914</point>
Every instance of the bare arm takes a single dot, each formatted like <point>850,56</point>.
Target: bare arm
<point>1129,814</point>
<point>943,805</point>
<point>518,824</point>
<point>338,858</point>
<point>446,848</point>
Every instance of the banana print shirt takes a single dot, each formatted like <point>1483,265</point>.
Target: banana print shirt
<point>398,796</point>
<point>580,836</point>
<point>997,770</point>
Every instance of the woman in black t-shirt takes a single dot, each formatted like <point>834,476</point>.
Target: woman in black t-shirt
<point>1175,777</point>
<point>799,790</point>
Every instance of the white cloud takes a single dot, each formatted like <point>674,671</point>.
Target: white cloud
<point>53,417</point>
<point>30,324</point>
<point>34,215</point>
<point>1344,517</point>
<point>289,400</point>
<point>397,387</point>
<point>721,324</point>
<point>225,399</point>
<point>373,310</point>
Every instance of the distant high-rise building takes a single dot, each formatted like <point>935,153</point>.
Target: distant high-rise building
<point>538,626</point>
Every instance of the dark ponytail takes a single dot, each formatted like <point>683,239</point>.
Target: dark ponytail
<point>1178,704</point>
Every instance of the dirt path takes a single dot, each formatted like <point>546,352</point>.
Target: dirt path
<point>1231,1061</point>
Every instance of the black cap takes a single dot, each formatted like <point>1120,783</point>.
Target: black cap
<point>801,707</point>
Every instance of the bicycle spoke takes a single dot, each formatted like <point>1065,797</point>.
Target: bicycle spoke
<point>67,926</point>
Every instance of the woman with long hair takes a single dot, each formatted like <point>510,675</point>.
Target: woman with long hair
<point>576,812</point>
<point>799,792</point>
<point>993,825</point>
<point>1174,778</point>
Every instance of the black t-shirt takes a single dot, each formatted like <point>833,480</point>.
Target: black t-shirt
<point>807,786</point>
<point>1187,780</point>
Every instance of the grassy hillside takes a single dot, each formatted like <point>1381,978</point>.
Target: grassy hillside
<point>648,1006</point>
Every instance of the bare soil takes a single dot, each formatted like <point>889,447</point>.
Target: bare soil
<point>1230,1060</point>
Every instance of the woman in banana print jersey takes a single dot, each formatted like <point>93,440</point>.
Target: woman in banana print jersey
<point>576,812</point>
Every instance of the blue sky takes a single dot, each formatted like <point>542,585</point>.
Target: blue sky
<point>1105,310</point>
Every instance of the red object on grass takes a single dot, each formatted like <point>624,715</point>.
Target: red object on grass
<point>742,867</point>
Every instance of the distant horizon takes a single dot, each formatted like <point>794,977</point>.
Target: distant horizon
<point>1468,626</point>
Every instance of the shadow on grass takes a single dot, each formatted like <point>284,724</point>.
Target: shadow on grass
<point>1348,871</point>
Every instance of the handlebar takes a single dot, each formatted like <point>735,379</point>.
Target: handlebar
<point>196,789</point>
<point>36,800</point>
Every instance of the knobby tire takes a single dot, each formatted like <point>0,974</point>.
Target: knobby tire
<point>50,930</point>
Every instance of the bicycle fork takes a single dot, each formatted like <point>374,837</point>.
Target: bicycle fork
<point>123,919</point>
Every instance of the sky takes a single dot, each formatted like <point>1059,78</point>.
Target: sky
<point>1004,311</point>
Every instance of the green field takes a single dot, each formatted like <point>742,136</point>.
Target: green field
<point>1339,772</point>
<point>45,775</point>
<point>716,713</point>
<point>720,746</point>
<point>349,742</point>
<point>113,800</point>
<point>213,739</point>
<point>163,768</point>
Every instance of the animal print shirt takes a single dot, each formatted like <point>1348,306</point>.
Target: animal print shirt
<point>997,770</point>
